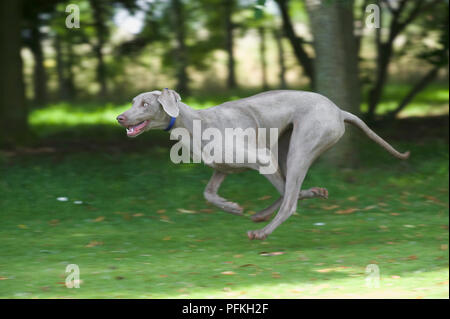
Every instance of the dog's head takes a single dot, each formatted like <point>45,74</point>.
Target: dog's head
<point>150,110</point>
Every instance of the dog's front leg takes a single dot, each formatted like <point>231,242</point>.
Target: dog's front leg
<point>212,197</point>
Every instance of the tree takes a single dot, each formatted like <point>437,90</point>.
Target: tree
<point>229,7</point>
<point>13,110</point>
<point>402,15</point>
<point>436,58</point>
<point>297,42</point>
<point>101,12</point>
<point>336,69</point>
<point>180,51</point>
<point>277,35</point>
<point>32,37</point>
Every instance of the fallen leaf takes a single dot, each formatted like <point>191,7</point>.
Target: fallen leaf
<point>325,270</point>
<point>94,243</point>
<point>352,198</point>
<point>412,257</point>
<point>22,226</point>
<point>138,215</point>
<point>346,211</point>
<point>53,222</point>
<point>433,199</point>
<point>3,278</point>
<point>444,247</point>
<point>238,256</point>
<point>275,253</point>
<point>228,273</point>
<point>161,211</point>
<point>330,207</point>
<point>276,275</point>
<point>185,211</point>
<point>395,214</point>
<point>167,238</point>
<point>265,197</point>
<point>99,219</point>
<point>395,277</point>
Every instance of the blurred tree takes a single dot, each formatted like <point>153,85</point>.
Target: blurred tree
<point>180,26</point>
<point>101,13</point>
<point>262,56</point>
<point>13,110</point>
<point>336,69</point>
<point>278,36</point>
<point>297,42</point>
<point>229,7</point>
<point>402,14</point>
<point>180,50</point>
<point>34,18</point>
<point>436,57</point>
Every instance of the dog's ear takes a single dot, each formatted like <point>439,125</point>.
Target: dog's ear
<point>169,100</point>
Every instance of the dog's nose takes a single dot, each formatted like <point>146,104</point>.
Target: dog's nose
<point>121,118</point>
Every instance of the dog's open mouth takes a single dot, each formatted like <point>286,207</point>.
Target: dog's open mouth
<point>134,130</point>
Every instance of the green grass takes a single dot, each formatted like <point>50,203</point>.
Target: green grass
<point>144,229</point>
<point>154,236</point>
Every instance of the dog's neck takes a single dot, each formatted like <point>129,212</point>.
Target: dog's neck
<point>186,117</point>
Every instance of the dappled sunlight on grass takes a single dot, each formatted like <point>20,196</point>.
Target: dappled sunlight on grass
<point>71,114</point>
<point>433,101</point>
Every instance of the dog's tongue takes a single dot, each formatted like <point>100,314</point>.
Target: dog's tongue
<point>135,129</point>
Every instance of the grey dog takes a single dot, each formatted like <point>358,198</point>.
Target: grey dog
<point>309,124</point>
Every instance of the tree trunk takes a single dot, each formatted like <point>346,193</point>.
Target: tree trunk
<point>262,55</point>
<point>229,42</point>
<point>336,69</point>
<point>39,74</point>
<point>296,42</point>
<point>64,69</point>
<point>70,76</point>
<point>281,62</point>
<point>100,27</point>
<point>13,111</point>
<point>180,52</point>
<point>62,93</point>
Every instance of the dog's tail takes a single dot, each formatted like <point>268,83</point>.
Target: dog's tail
<point>356,121</point>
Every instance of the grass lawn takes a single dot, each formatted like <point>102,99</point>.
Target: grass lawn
<point>143,229</point>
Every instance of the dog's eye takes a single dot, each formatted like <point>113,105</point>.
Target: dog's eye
<point>145,104</point>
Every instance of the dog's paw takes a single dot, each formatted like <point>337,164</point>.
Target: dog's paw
<point>258,218</point>
<point>320,192</point>
<point>232,208</point>
<point>257,234</point>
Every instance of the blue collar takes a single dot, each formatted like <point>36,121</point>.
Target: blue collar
<point>172,122</point>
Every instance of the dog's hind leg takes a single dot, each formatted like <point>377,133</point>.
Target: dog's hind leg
<point>279,179</point>
<point>300,157</point>
<point>212,197</point>
<point>267,213</point>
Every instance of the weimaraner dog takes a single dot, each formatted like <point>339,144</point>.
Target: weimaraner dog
<point>308,124</point>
